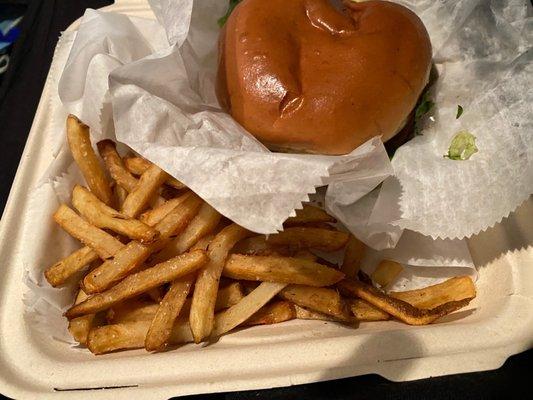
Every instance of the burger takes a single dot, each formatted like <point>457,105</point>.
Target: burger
<point>309,77</point>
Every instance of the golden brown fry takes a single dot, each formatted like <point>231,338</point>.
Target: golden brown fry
<point>146,189</point>
<point>132,255</point>
<point>101,242</point>
<point>61,271</point>
<point>244,309</point>
<point>131,310</point>
<point>115,165</point>
<point>203,243</point>
<point>202,224</point>
<point>154,215</point>
<point>364,311</point>
<point>306,255</point>
<point>161,328</point>
<point>258,245</point>
<point>131,335</point>
<point>324,300</point>
<point>273,313</point>
<point>309,214</point>
<point>120,195</point>
<point>138,165</point>
<point>229,296</point>
<point>103,216</point>
<point>397,308</point>
<point>80,327</point>
<point>386,272</point>
<point>280,269</point>
<point>315,238</point>
<point>353,255</point>
<point>79,142</point>
<point>454,289</point>
<point>141,282</point>
<point>303,313</point>
<point>202,312</point>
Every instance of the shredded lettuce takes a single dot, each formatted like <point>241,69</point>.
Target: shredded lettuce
<point>462,147</point>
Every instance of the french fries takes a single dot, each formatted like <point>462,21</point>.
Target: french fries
<point>274,313</point>
<point>101,242</point>
<point>201,317</point>
<point>315,238</point>
<point>398,308</point>
<point>61,271</point>
<point>181,272</point>
<point>280,269</point>
<point>386,272</point>
<point>355,251</point>
<point>102,216</point>
<point>141,282</point>
<point>244,309</point>
<point>79,142</point>
<point>146,188</point>
<point>309,214</point>
<point>138,165</point>
<point>324,300</point>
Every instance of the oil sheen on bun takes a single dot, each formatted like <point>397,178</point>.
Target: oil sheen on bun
<point>302,76</point>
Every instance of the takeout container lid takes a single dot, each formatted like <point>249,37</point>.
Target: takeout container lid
<point>496,325</point>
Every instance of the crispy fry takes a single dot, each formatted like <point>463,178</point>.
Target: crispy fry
<point>309,214</point>
<point>386,272</point>
<point>273,313</point>
<point>202,224</point>
<point>115,165</point>
<point>131,335</point>
<point>364,311</point>
<point>79,142</point>
<point>258,245</point>
<point>203,243</point>
<point>131,310</point>
<point>145,189</point>
<point>161,328</point>
<point>229,296</point>
<point>398,308</point>
<point>120,195</point>
<point>201,317</point>
<point>315,238</point>
<point>101,242</point>
<point>80,327</point>
<point>324,300</point>
<point>138,165</point>
<point>303,313</point>
<point>280,269</point>
<point>141,282</point>
<point>353,255</point>
<point>454,289</point>
<point>102,216</point>
<point>155,215</point>
<point>61,271</point>
<point>131,256</point>
<point>244,309</point>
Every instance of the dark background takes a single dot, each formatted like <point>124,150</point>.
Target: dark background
<point>20,91</point>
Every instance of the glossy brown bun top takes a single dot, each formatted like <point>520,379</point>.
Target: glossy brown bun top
<point>303,77</point>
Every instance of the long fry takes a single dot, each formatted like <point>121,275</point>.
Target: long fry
<point>309,214</point>
<point>202,224</point>
<point>145,189</point>
<point>61,271</point>
<point>101,242</point>
<point>138,165</point>
<point>115,165</point>
<point>154,215</point>
<point>80,327</point>
<point>141,282</point>
<point>131,310</point>
<point>161,328</point>
<point>324,300</point>
<point>398,308</point>
<point>353,255</point>
<point>244,309</point>
<point>364,311</point>
<point>258,245</point>
<point>131,256</point>
<point>280,269</point>
<point>315,238</point>
<point>102,216</point>
<point>201,317</point>
<point>273,313</point>
<point>304,313</point>
<point>80,145</point>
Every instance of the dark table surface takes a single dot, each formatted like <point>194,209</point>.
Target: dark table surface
<point>20,91</point>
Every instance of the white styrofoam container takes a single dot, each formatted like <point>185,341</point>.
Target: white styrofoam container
<point>499,322</point>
